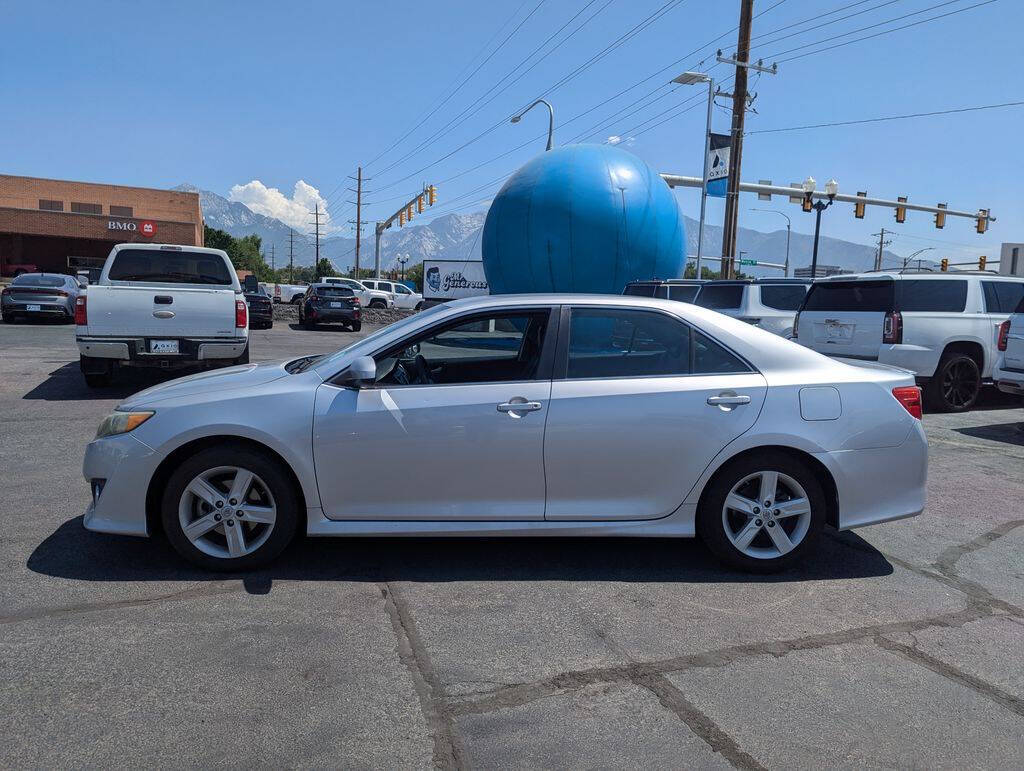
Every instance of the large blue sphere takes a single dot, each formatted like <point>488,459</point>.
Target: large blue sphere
<point>582,218</point>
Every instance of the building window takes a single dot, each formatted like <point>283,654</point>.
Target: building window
<point>86,208</point>
<point>121,211</point>
<point>46,205</point>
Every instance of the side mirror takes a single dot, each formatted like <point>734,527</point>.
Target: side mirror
<point>83,282</point>
<point>361,373</point>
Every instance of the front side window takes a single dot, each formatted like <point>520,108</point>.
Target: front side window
<point>402,289</point>
<point>1002,296</point>
<point>783,297</point>
<point>494,348</point>
<point>171,267</point>
<point>720,296</point>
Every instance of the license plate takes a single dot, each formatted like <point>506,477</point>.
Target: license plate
<point>840,331</point>
<point>163,346</point>
<point>335,305</point>
<point>33,307</point>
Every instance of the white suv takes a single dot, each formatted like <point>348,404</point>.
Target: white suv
<point>944,327</point>
<point>404,298</point>
<point>1009,370</point>
<point>368,297</point>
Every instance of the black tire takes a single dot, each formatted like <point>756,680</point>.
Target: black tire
<point>378,304</point>
<point>419,306</point>
<point>297,300</point>
<point>356,326</point>
<point>270,324</point>
<point>307,324</point>
<point>98,373</point>
<point>711,527</point>
<point>244,358</point>
<point>9,318</point>
<point>955,385</point>
<point>268,470</point>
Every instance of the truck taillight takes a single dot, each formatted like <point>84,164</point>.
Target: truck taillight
<point>81,312</point>
<point>892,327</point>
<point>910,398</point>
<point>241,314</point>
<point>1004,334</point>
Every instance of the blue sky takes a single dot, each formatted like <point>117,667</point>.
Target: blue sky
<point>228,94</point>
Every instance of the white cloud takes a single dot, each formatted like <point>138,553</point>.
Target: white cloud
<point>296,212</point>
<point>615,139</point>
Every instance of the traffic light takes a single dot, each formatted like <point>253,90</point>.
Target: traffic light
<point>901,211</point>
<point>807,204</point>
<point>982,220</point>
<point>401,218</point>
<point>944,265</point>
<point>419,205</point>
<point>408,212</point>
<point>432,195</point>
<point>981,262</point>
<point>858,208</point>
<point>940,217</point>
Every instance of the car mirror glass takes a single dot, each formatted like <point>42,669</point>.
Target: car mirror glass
<point>361,373</point>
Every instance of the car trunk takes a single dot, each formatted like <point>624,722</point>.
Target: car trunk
<point>846,318</point>
<point>160,311</point>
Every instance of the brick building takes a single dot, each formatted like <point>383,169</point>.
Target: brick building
<point>61,227</point>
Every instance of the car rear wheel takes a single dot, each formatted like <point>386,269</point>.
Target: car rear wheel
<point>378,304</point>
<point>955,385</point>
<point>9,318</point>
<point>244,358</point>
<point>297,299</point>
<point>229,508</point>
<point>762,513</point>
<point>356,326</point>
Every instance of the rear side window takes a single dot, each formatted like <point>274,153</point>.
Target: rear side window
<point>683,293</point>
<point>720,297</point>
<point>640,290</point>
<point>932,295</point>
<point>1003,296</point>
<point>662,292</point>
<point>868,296</point>
<point>783,297</point>
<point>169,267</point>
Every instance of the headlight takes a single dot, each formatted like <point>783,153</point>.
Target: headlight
<point>121,423</point>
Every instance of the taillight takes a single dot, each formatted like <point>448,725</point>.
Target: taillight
<point>241,314</point>
<point>796,325</point>
<point>81,314</point>
<point>61,293</point>
<point>892,327</point>
<point>910,398</point>
<point>1004,334</point>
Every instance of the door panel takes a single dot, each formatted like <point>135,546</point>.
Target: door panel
<point>632,448</point>
<point>431,452</point>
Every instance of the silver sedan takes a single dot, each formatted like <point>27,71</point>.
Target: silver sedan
<point>540,415</point>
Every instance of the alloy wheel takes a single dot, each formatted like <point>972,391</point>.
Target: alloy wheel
<point>227,512</point>
<point>959,384</point>
<point>766,514</point>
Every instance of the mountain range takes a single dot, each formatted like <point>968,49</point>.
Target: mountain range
<point>457,237</point>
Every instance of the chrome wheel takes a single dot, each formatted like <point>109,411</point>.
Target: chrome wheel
<point>766,515</point>
<point>227,512</point>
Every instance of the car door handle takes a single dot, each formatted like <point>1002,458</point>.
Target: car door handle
<point>163,299</point>
<point>523,406</point>
<point>715,401</point>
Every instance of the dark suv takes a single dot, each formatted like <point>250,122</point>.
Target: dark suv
<point>328,304</point>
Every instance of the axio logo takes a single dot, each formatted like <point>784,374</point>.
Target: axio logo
<point>434,278</point>
<point>148,228</point>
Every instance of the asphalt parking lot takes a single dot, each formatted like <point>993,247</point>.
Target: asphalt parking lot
<point>897,645</point>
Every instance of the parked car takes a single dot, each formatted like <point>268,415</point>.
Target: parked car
<point>943,327</point>
<point>40,296</point>
<point>1009,369</point>
<point>8,268</point>
<point>287,293</point>
<point>368,298</point>
<point>261,309</point>
<point>402,296</point>
<point>680,289</point>
<point>161,305</point>
<point>698,425</point>
<point>330,304</point>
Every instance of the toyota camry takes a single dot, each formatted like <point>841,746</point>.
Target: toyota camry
<point>534,415</point>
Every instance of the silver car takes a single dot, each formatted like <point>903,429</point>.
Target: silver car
<point>40,296</point>
<point>542,415</point>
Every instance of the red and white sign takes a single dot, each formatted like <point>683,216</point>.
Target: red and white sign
<point>147,228</point>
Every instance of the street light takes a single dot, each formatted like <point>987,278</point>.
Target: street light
<point>402,261</point>
<point>831,189</point>
<point>907,260</point>
<point>789,227</point>
<point>551,120</point>
<point>690,79</point>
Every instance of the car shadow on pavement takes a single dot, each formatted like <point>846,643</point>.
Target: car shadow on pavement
<point>75,553</point>
<point>66,383</point>
<point>1010,433</point>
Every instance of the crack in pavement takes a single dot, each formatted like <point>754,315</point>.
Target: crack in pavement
<point>448,751</point>
<point>702,726</point>
<point>946,563</point>
<point>205,590</point>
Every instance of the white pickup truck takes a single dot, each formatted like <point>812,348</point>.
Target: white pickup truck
<point>158,305</point>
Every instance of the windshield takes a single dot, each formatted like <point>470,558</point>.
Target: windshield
<point>409,321</point>
<point>333,291</point>
<point>170,267</point>
<point>38,279</point>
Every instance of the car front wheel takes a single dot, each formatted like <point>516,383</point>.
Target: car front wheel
<point>762,513</point>
<point>229,508</point>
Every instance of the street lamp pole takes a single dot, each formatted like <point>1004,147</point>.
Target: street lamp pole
<point>831,188</point>
<point>551,120</point>
<point>907,260</point>
<point>789,228</point>
<point>687,79</point>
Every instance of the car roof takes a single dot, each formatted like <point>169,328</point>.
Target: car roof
<point>327,284</point>
<point>894,275</point>
<point>171,248</point>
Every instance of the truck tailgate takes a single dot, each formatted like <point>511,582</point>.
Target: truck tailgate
<point>135,311</point>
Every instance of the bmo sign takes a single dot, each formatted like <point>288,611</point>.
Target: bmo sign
<point>146,228</point>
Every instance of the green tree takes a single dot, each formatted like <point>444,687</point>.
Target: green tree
<point>244,253</point>
<point>325,268</point>
<point>415,274</point>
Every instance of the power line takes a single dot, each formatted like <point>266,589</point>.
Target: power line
<point>889,117</point>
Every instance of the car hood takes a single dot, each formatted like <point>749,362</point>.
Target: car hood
<point>228,379</point>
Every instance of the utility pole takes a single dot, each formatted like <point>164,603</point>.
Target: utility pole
<point>739,109</point>
<point>273,262</point>
<point>291,256</point>
<point>882,243</point>
<point>316,263</point>
<point>358,221</point>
